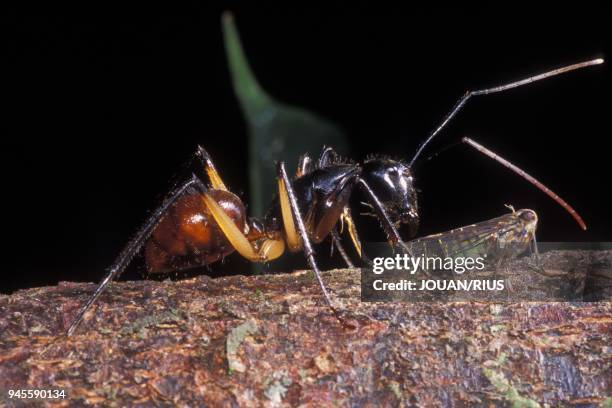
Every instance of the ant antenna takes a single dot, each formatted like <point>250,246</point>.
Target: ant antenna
<point>462,101</point>
<point>527,177</point>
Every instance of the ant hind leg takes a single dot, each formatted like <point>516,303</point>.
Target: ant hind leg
<point>132,248</point>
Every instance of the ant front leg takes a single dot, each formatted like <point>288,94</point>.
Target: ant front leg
<point>337,242</point>
<point>347,219</point>
<point>132,248</point>
<point>392,233</point>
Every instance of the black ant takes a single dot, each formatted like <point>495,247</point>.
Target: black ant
<point>200,223</point>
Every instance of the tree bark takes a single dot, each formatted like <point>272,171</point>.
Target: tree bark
<point>270,340</point>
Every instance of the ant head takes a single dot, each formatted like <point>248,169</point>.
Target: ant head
<point>392,182</point>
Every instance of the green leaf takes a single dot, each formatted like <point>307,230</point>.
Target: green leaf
<point>277,131</point>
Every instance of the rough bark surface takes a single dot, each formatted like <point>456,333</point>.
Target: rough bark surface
<point>271,341</point>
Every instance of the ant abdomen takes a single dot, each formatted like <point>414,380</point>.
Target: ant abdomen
<point>188,236</point>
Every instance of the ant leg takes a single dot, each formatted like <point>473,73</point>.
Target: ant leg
<point>347,219</point>
<point>269,248</point>
<point>501,88</point>
<point>290,212</point>
<point>352,230</point>
<point>130,250</point>
<point>209,167</point>
<point>392,234</point>
<point>336,241</point>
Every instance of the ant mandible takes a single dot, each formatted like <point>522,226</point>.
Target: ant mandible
<point>208,222</point>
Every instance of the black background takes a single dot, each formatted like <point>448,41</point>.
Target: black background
<point>102,106</point>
